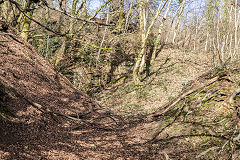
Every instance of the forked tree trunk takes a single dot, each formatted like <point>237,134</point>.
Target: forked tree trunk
<point>144,35</point>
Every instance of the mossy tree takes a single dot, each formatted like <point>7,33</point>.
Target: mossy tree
<point>145,32</point>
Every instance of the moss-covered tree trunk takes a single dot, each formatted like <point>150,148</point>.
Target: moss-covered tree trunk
<point>66,40</point>
<point>26,21</point>
<point>7,11</point>
<point>145,32</point>
<point>143,44</point>
<point>121,19</point>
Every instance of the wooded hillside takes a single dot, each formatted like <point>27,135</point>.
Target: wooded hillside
<point>119,79</point>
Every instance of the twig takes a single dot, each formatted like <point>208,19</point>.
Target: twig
<point>235,92</point>
<point>5,41</point>
<point>44,109</point>
<point>80,19</point>
<point>5,33</point>
<point>206,151</point>
<point>92,45</point>
<point>47,28</point>
<point>47,110</point>
<point>11,35</point>
<point>237,138</point>
<point>207,97</point>
<point>165,155</point>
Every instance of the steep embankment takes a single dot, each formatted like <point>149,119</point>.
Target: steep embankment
<point>39,107</point>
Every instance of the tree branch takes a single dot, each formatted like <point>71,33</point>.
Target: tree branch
<point>47,28</point>
<point>81,19</point>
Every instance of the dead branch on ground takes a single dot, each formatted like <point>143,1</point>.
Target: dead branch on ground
<point>196,87</point>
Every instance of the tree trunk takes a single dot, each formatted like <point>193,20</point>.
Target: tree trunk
<point>66,40</point>
<point>178,20</point>
<point>144,35</point>
<point>27,21</point>
<point>156,43</point>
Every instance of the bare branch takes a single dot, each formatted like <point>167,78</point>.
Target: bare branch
<point>170,105</point>
<point>235,92</point>
<point>81,19</point>
<point>9,34</point>
<point>47,28</point>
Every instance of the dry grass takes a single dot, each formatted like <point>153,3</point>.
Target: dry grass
<point>164,84</point>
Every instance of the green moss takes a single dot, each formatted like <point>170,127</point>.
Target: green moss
<point>119,80</point>
<point>171,113</point>
<point>209,103</point>
<point>165,88</point>
<point>142,94</point>
<point>192,96</point>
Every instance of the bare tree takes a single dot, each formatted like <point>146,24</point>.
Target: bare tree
<point>145,32</point>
